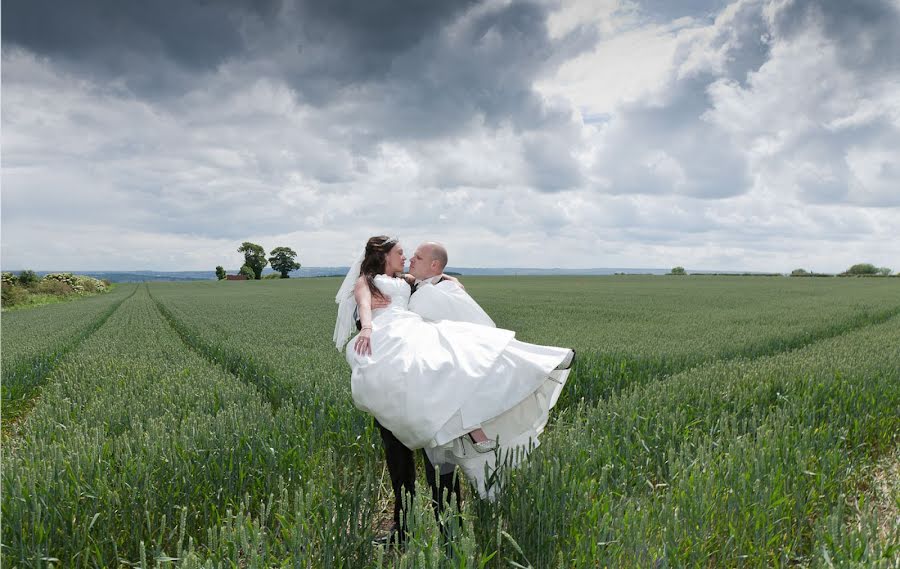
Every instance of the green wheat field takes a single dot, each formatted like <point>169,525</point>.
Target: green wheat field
<point>708,422</point>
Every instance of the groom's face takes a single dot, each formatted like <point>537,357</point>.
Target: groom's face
<point>421,265</point>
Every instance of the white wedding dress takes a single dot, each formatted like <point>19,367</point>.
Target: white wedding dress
<point>431,383</point>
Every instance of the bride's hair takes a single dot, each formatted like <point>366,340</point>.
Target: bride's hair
<point>373,263</point>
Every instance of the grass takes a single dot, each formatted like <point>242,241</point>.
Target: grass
<point>37,299</point>
<point>709,422</point>
<point>35,341</point>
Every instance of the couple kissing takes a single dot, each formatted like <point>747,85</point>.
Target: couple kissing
<point>437,374</point>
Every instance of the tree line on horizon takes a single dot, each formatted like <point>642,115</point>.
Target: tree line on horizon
<point>857,270</point>
<point>282,260</point>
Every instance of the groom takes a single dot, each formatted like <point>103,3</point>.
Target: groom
<point>426,265</point>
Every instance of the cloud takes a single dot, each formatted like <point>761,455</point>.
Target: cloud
<point>864,32</point>
<point>816,126</point>
<point>661,141</point>
<point>764,97</point>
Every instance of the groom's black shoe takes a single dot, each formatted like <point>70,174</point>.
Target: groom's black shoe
<point>394,537</point>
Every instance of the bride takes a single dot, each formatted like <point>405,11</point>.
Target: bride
<point>457,389</point>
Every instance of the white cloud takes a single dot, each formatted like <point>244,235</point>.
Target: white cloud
<point>630,64</point>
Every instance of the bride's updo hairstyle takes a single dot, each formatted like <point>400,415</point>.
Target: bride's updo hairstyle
<point>373,263</point>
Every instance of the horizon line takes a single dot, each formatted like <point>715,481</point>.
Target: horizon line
<point>450,268</point>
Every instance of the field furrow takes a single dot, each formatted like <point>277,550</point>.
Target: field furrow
<point>598,375</point>
<point>34,341</point>
<point>242,366</point>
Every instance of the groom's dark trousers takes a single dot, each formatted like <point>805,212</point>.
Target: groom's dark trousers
<point>401,464</point>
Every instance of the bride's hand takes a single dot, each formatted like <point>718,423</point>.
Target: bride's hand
<point>363,344</point>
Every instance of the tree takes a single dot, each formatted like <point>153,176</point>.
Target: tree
<point>282,260</point>
<point>254,257</point>
<point>220,273</point>
<point>29,279</point>
<point>883,271</point>
<point>248,272</point>
<point>800,273</point>
<point>678,271</point>
<point>862,269</point>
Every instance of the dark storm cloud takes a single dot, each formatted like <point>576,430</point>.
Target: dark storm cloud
<point>367,36</point>
<point>484,67</point>
<point>475,70</point>
<point>335,43</point>
<point>106,35</point>
<point>329,44</point>
<point>865,30</point>
<point>324,48</point>
<point>388,70</point>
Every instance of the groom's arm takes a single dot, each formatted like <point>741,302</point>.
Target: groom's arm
<point>448,301</point>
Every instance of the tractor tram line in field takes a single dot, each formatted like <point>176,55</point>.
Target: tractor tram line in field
<point>236,364</point>
<point>112,473</point>
<point>22,380</point>
<point>596,376</point>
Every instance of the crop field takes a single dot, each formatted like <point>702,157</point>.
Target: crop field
<point>708,422</point>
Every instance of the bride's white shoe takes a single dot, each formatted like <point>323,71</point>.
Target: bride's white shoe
<point>488,445</point>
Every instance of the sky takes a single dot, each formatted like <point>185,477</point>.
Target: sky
<point>755,135</point>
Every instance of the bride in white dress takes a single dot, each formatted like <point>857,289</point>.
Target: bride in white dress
<point>456,389</point>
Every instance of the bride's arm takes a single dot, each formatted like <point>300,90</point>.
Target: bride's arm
<point>363,296</point>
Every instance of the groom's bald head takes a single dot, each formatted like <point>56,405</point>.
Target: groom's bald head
<point>428,261</point>
<point>438,253</point>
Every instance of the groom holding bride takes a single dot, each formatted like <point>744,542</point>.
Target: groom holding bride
<point>436,373</point>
